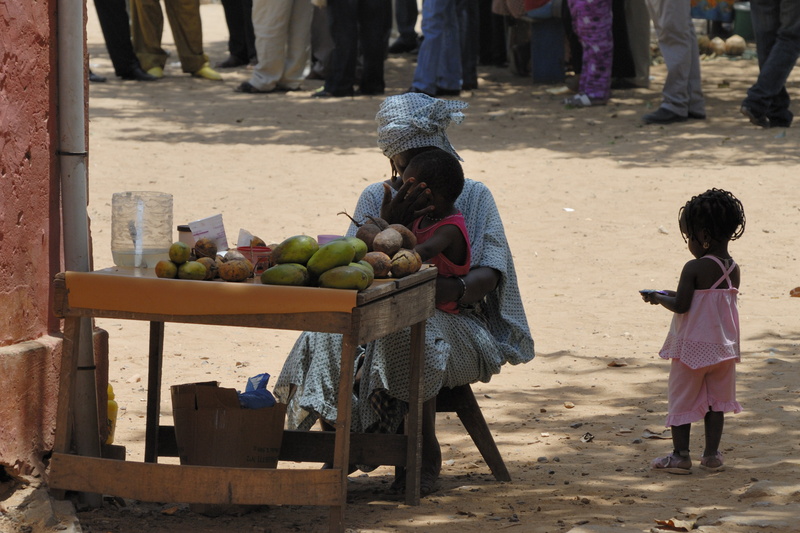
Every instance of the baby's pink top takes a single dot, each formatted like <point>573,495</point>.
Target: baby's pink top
<point>446,267</point>
<point>708,332</point>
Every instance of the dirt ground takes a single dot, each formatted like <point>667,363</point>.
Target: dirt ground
<point>589,198</point>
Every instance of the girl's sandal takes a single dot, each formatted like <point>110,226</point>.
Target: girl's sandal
<point>583,100</point>
<point>712,462</point>
<point>672,464</point>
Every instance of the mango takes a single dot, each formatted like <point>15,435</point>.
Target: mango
<point>211,267</point>
<point>166,269</point>
<point>293,274</point>
<point>359,246</point>
<point>331,255</point>
<point>191,270</point>
<point>367,268</point>
<point>344,277</point>
<point>179,252</point>
<point>297,249</point>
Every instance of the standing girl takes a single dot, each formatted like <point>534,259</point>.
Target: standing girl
<point>592,21</point>
<point>703,339</point>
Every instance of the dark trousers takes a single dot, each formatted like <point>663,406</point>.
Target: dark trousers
<point>115,24</point>
<point>353,24</point>
<point>241,39</point>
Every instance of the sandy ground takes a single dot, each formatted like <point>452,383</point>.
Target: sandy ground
<point>590,200</point>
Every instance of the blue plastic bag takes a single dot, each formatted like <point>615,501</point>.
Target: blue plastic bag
<point>256,395</point>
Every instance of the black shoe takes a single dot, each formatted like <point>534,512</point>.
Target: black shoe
<point>413,89</point>
<point>447,92</point>
<point>402,47</point>
<point>246,87</point>
<point>231,62</point>
<point>138,74</point>
<point>322,93</point>
<point>95,78</point>
<point>469,86</point>
<point>663,116</point>
<point>697,116</point>
<point>779,123</point>
<point>758,120</point>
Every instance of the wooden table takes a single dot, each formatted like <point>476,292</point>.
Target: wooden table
<point>136,294</point>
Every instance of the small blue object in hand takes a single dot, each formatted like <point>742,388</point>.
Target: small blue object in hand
<point>256,395</point>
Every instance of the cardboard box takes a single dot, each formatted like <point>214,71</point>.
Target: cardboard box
<point>211,428</point>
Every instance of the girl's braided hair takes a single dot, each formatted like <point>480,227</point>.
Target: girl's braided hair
<point>717,211</point>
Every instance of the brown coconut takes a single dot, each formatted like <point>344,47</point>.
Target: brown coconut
<point>388,241</point>
<point>236,270</point>
<point>735,45</point>
<point>211,267</point>
<point>405,262</point>
<point>367,233</point>
<point>409,239</point>
<point>718,46</point>
<point>380,262</point>
<point>205,247</point>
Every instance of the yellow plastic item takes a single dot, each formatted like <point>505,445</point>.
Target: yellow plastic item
<point>111,417</point>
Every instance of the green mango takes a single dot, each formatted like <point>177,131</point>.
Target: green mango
<point>359,246</point>
<point>345,277</point>
<point>335,253</point>
<point>367,268</point>
<point>293,274</point>
<point>297,249</point>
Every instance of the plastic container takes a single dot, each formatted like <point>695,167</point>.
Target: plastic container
<point>141,228</point>
<point>111,417</point>
<point>185,235</point>
<point>742,21</point>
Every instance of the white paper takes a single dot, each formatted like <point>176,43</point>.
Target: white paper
<point>245,238</point>
<point>211,228</point>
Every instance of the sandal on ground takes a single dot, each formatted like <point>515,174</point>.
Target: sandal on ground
<point>672,464</point>
<point>712,462</point>
<point>583,100</point>
<point>247,87</point>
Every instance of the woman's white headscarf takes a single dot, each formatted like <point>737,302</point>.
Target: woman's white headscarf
<point>416,120</point>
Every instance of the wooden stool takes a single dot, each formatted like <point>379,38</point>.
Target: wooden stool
<point>461,400</point>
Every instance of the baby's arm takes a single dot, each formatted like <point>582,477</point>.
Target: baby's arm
<point>440,241</point>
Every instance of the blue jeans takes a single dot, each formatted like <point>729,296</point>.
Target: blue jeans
<point>776,24</point>
<point>358,25</point>
<point>439,59</point>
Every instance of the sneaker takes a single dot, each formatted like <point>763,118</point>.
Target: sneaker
<point>663,115</point>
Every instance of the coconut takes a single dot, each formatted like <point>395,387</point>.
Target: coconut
<point>735,45</point>
<point>718,46</point>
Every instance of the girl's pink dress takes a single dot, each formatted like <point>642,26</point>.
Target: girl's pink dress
<point>708,332</point>
<point>446,267</point>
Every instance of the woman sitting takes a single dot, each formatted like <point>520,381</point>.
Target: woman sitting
<point>490,330</point>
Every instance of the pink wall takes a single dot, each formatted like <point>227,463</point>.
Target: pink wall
<point>30,234</point>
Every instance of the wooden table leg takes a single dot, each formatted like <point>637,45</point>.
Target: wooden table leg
<point>341,451</point>
<point>154,391</point>
<point>414,423</point>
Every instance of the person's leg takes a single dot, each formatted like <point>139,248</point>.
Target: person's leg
<point>448,63</point>
<point>248,32</point>
<point>374,25</point>
<point>298,50</point>
<point>776,25</point>
<point>431,451</point>
<point>676,38</point>
<point>321,44</point>
<point>114,22</point>
<point>688,401</point>
<point>187,30</point>
<point>270,23</point>
<point>469,34</point>
<point>405,15</point>
<point>147,24</point>
<point>714,424</point>
<point>433,22</point>
<point>343,25</point>
<point>638,24</point>
<point>592,22</point>
<point>237,47</point>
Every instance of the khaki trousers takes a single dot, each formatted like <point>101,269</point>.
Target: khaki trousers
<point>147,26</point>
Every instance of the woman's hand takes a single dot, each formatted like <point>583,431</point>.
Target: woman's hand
<point>479,282</point>
<point>411,202</point>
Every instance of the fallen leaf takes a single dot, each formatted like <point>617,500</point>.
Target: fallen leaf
<point>170,510</point>
<point>795,292</point>
<point>569,405</point>
<point>466,513</point>
<point>675,525</point>
<point>617,363</point>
